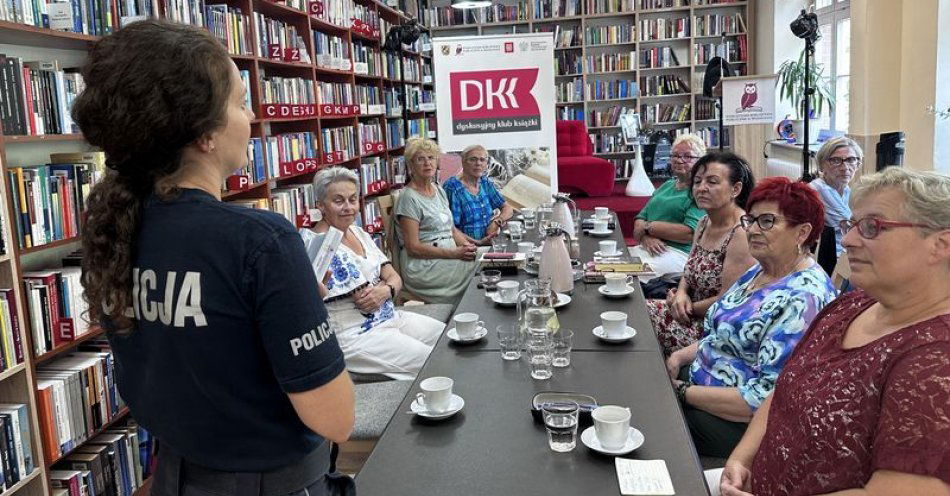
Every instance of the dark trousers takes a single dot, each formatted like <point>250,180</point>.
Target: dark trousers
<point>712,436</point>
<point>176,477</point>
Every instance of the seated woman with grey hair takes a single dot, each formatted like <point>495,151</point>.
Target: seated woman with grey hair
<point>477,208</point>
<point>838,159</point>
<point>360,286</point>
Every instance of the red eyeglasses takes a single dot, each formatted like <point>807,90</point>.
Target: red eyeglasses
<point>871,227</point>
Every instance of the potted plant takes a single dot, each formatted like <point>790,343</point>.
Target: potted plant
<point>791,81</point>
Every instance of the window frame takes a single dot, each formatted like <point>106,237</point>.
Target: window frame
<point>831,15</point>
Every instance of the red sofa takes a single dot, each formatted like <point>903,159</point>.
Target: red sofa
<point>578,170</point>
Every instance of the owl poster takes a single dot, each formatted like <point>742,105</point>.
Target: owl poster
<point>748,100</point>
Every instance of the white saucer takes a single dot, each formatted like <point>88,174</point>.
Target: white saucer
<point>609,293</point>
<point>617,253</point>
<point>495,297</point>
<point>453,334</point>
<point>562,299</point>
<point>600,234</point>
<point>455,405</point>
<point>628,334</point>
<point>634,440</point>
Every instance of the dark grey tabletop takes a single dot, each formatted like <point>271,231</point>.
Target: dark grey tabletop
<point>494,447</point>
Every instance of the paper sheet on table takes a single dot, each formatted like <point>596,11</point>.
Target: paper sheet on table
<point>644,477</point>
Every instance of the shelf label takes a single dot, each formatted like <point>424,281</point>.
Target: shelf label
<point>292,54</point>
<point>286,110</point>
<point>298,167</point>
<point>337,110</point>
<point>427,79</point>
<point>427,107</point>
<point>332,158</point>
<point>431,134</point>
<point>373,147</point>
<point>304,220</point>
<point>238,182</point>
<point>377,109</point>
<point>361,67</point>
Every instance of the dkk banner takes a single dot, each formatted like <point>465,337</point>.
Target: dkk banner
<point>498,92</point>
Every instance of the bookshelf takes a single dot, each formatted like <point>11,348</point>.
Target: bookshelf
<point>609,42</point>
<point>346,110</point>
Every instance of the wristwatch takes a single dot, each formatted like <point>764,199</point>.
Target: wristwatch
<point>681,391</point>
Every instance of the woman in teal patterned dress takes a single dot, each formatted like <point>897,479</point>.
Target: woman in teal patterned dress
<point>752,329</point>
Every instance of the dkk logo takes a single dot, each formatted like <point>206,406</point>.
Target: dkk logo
<point>496,93</point>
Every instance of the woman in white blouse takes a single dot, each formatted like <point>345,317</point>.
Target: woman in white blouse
<point>360,286</point>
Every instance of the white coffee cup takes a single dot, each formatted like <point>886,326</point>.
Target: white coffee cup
<point>467,323</point>
<point>614,323</point>
<point>608,247</point>
<point>525,247</point>
<point>508,290</point>
<point>514,227</point>
<point>528,213</point>
<point>436,395</point>
<point>602,212</point>
<point>600,225</point>
<point>617,282</point>
<point>612,425</point>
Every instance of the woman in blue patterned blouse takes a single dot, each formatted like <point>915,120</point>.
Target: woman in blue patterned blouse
<point>752,329</point>
<point>474,199</point>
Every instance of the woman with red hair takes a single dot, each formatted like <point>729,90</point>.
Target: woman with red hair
<point>752,329</point>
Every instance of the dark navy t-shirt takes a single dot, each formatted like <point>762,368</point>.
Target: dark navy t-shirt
<point>228,321</point>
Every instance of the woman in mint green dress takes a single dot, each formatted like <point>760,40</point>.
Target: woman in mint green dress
<point>436,259</point>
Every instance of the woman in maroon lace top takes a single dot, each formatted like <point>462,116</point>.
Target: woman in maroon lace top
<point>863,405</point>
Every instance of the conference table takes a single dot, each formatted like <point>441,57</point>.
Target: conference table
<point>494,446</point>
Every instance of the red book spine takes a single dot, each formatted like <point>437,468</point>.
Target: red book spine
<point>49,280</point>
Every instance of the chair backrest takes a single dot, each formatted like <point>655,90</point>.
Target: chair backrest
<point>386,205</point>
<point>572,139</point>
<point>842,271</point>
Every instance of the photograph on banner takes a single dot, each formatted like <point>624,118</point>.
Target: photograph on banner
<point>748,100</point>
<point>498,92</point>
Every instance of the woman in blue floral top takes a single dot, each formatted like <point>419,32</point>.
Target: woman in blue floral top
<point>473,198</point>
<point>752,329</point>
<point>359,288</point>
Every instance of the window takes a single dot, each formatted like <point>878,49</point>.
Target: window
<point>833,52</point>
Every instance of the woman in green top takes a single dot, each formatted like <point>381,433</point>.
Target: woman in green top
<point>664,228</point>
<point>436,259</point>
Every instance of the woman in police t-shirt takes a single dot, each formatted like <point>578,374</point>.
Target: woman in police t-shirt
<point>221,342</point>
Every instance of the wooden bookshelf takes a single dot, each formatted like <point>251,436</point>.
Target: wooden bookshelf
<point>18,383</point>
<point>685,49</point>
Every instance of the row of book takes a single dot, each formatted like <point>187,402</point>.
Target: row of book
<point>710,136</point>
<point>395,135</point>
<point>717,24</point>
<point>420,99</point>
<point>76,397</point>
<point>293,202</point>
<point>665,112</point>
<point>658,57</point>
<point>49,199</point>
<point>608,35</point>
<point>610,62</point>
<point>16,445</point>
<point>570,91</point>
<point>289,147</point>
<point>275,38</point>
<point>367,96</point>
<point>337,12</point>
<point>289,90</point>
<point>663,84</point>
<point>447,16</point>
<point>664,29</point>
<point>337,93</point>
<point>608,142</point>
<point>611,90</point>
<point>331,52</point>
<point>505,13</point>
<point>423,127</point>
<point>372,170</point>
<point>370,133</point>
<point>564,36</point>
<point>548,9</point>
<point>392,99</point>
<point>11,344</point>
<point>662,4</point>
<point>623,167</point>
<point>56,307</point>
<point>391,67</point>
<point>367,59</point>
<point>706,109</point>
<point>412,69</point>
<point>731,50</point>
<point>366,15</point>
<point>232,27</point>
<point>36,97</point>
<point>372,213</point>
<point>570,114</point>
<point>114,463</point>
<point>608,6</point>
<point>256,169</point>
<point>340,141</point>
<point>607,117</point>
<point>568,63</point>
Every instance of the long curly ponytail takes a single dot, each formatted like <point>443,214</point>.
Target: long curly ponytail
<point>152,89</point>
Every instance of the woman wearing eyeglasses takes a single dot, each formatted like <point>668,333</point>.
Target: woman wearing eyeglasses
<point>861,407</point>
<point>752,329</point>
<point>838,160</point>
<point>664,228</point>
<point>473,198</point>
